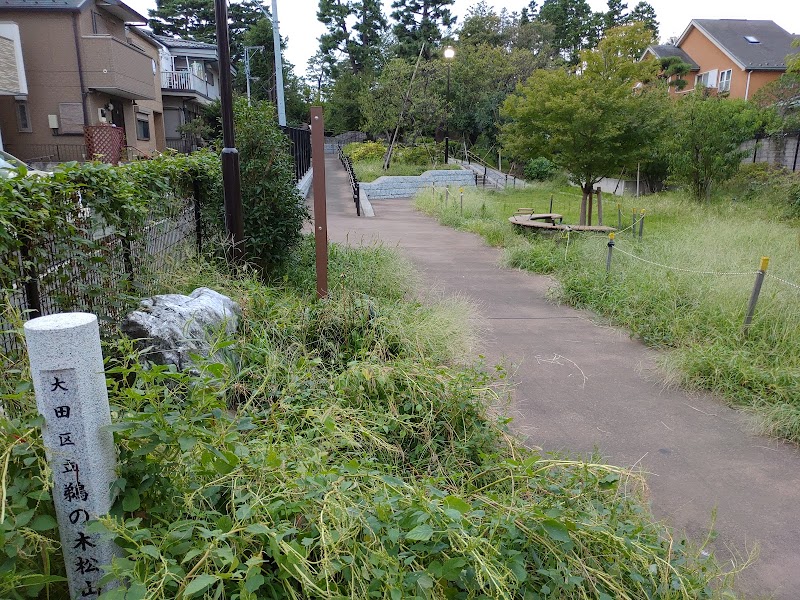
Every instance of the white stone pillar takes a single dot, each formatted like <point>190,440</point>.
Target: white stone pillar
<point>71,395</point>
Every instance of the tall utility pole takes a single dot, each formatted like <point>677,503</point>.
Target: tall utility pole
<point>276,41</point>
<point>231,175</point>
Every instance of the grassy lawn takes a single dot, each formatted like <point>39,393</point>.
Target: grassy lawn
<point>691,302</point>
<point>339,449</point>
<point>370,170</point>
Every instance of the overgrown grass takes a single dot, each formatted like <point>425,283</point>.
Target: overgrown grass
<point>336,450</point>
<point>370,170</point>
<point>688,303</point>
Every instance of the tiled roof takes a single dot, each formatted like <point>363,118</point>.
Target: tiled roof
<point>768,53</point>
<point>171,42</point>
<point>665,50</point>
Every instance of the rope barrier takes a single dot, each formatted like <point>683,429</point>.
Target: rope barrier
<point>789,283</point>
<point>650,262</point>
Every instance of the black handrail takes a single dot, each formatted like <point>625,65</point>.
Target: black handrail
<point>348,165</point>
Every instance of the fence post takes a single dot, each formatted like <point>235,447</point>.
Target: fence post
<point>619,215</point>
<point>641,224</point>
<point>551,204</point>
<point>633,223</point>
<point>462,202</point>
<point>446,196</point>
<point>599,193</point>
<point>610,249</point>
<point>751,306</point>
<point>33,299</point>
<point>357,192</point>
<point>198,220</point>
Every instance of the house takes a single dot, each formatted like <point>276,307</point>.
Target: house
<point>189,81</point>
<point>732,56</point>
<point>84,62</point>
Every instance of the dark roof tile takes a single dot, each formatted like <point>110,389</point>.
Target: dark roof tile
<point>769,54</point>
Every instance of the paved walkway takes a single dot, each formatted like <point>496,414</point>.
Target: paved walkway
<point>584,386</point>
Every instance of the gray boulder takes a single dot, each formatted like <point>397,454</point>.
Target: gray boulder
<point>175,326</point>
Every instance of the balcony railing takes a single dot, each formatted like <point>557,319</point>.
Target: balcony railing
<point>183,80</point>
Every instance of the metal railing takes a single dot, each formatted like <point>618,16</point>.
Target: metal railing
<point>348,166</point>
<point>300,149</point>
<point>502,180</point>
<point>185,81</point>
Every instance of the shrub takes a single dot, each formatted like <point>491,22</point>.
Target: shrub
<point>274,212</point>
<point>540,169</point>
<point>364,150</point>
<point>415,155</point>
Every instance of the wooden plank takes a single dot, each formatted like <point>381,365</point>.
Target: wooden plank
<point>524,222</point>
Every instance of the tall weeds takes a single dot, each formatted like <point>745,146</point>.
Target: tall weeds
<point>335,449</point>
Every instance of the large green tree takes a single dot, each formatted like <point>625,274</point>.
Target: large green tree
<point>645,13</point>
<point>592,124</point>
<point>354,32</point>
<point>420,22</point>
<point>704,146</point>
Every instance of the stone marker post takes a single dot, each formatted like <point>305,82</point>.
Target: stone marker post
<point>69,381</point>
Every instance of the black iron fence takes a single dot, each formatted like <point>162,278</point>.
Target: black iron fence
<point>99,269</point>
<point>348,165</point>
<point>301,149</point>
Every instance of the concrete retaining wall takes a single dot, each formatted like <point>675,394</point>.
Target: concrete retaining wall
<point>396,186</point>
<point>304,185</point>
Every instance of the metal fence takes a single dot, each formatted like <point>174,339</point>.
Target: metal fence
<point>99,270</point>
<point>354,184</point>
<point>782,150</point>
<point>47,153</point>
<point>301,149</point>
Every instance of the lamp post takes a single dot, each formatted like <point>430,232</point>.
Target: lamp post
<point>449,53</point>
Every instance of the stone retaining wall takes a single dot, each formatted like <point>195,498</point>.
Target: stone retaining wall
<point>402,186</point>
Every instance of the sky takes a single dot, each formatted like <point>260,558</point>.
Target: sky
<point>298,21</point>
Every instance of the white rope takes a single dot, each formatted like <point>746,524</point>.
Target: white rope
<point>789,283</point>
<point>650,262</point>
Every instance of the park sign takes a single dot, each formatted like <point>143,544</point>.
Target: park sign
<point>71,395</point>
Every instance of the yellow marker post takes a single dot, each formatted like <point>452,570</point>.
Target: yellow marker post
<point>611,237</point>
<point>751,306</point>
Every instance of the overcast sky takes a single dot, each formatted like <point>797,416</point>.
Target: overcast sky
<point>299,23</point>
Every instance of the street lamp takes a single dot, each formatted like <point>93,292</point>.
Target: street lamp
<point>449,53</point>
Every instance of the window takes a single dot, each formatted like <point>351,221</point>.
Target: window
<point>142,128</point>
<point>752,39</point>
<point>707,79</point>
<point>725,81</point>
<point>209,76</point>
<point>23,117</point>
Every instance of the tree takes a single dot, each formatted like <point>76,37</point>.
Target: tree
<point>704,146</point>
<point>616,57</point>
<point>782,97</point>
<point>482,26</point>
<point>646,14</point>
<point>674,66</point>
<point>355,29</point>
<point>194,19</point>
<point>420,22</point>
<point>344,109</point>
<point>581,125</point>
<point>615,15</point>
<point>592,124</point>
<point>575,26</point>
<point>793,60</point>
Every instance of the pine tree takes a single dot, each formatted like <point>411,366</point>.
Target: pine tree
<point>195,19</point>
<point>645,13</point>
<point>420,22</point>
<point>360,44</point>
<point>575,26</point>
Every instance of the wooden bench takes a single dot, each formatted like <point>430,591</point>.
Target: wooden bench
<point>526,220</point>
<point>546,217</point>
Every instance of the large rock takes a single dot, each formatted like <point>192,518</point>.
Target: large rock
<point>176,326</point>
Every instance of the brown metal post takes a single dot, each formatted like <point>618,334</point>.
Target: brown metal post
<point>320,207</point>
<point>231,175</point>
<point>751,306</point>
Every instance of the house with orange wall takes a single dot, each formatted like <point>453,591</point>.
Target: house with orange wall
<point>731,56</point>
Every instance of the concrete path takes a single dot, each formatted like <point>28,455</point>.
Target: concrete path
<point>582,386</point>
